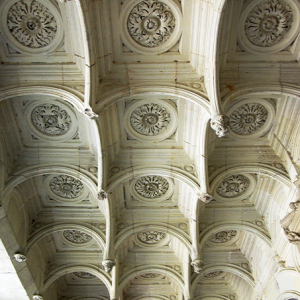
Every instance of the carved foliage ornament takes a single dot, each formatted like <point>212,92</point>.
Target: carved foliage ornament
<point>84,275</point>
<point>51,119</point>
<point>76,236</point>
<point>248,118</point>
<point>223,236</point>
<point>151,23</point>
<point>150,119</point>
<point>31,23</point>
<point>213,274</point>
<point>268,22</point>
<point>66,186</point>
<point>233,186</point>
<point>220,124</point>
<point>151,237</point>
<point>151,186</point>
<point>149,276</point>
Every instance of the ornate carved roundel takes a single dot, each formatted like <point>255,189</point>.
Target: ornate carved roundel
<point>149,276</point>
<point>233,186</point>
<point>223,236</point>
<point>31,23</point>
<point>151,237</point>
<point>77,237</point>
<point>151,23</point>
<point>248,118</point>
<point>51,119</point>
<point>268,22</point>
<point>84,275</point>
<point>66,186</point>
<point>150,119</point>
<point>151,186</point>
<point>213,274</point>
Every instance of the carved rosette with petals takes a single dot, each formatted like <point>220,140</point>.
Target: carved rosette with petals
<point>248,118</point>
<point>268,22</point>
<point>31,23</point>
<point>84,275</point>
<point>151,23</point>
<point>213,274</point>
<point>77,237</point>
<point>150,119</point>
<point>66,186</point>
<point>51,119</point>
<point>151,186</point>
<point>223,236</point>
<point>151,237</point>
<point>233,186</point>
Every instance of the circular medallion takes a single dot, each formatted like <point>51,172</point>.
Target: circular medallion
<point>232,186</point>
<point>84,275</point>
<point>65,188</point>
<point>223,236</point>
<point>32,26</point>
<point>151,238</point>
<point>248,118</point>
<point>150,26</point>
<point>152,188</point>
<point>77,237</point>
<point>151,120</point>
<point>268,26</point>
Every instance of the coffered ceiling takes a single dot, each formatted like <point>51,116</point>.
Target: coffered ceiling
<point>149,149</point>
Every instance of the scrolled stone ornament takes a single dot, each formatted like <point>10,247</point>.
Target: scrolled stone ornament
<point>293,237</point>
<point>197,265</point>
<point>223,236</point>
<point>268,22</point>
<point>150,119</point>
<point>31,23</point>
<point>294,205</point>
<point>206,198</point>
<point>151,237</point>
<point>233,186</point>
<point>20,257</point>
<point>151,23</point>
<point>108,265</point>
<point>102,195</point>
<point>151,186</point>
<point>90,114</point>
<point>248,118</point>
<point>220,124</point>
<point>76,236</point>
<point>51,119</point>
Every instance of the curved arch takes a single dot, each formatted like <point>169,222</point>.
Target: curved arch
<point>46,230</point>
<point>230,268</point>
<point>243,226</point>
<point>254,168</point>
<point>75,99</point>
<point>88,179</point>
<point>172,91</point>
<point>153,269</point>
<point>78,268</point>
<point>170,229</point>
<point>167,171</point>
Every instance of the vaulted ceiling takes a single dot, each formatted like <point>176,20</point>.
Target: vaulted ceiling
<point>149,149</point>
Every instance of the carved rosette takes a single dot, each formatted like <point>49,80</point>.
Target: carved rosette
<point>84,275</point>
<point>213,274</point>
<point>32,26</point>
<point>149,276</point>
<point>151,23</point>
<point>223,236</point>
<point>51,119</point>
<point>150,26</point>
<point>77,237</point>
<point>150,120</point>
<point>269,25</point>
<point>248,118</point>
<point>31,23</point>
<point>151,238</point>
<point>233,186</point>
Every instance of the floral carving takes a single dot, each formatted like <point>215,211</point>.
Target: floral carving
<point>148,276</point>
<point>84,275</point>
<point>51,119</point>
<point>151,237</point>
<point>108,265</point>
<point>213,274</point>
<point>233,186</point>
<point>220,124</point>
<point>293,237</point>
<point>150,119</point>
<point>248,118</point>
<point>268,23</point>
<point>76,236</point>
<point>151,186</point>
<point>197,265</point>
<point>31,23</point>
<point>151,23</point>
<point>66,186</point>
<point>223,236</point>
